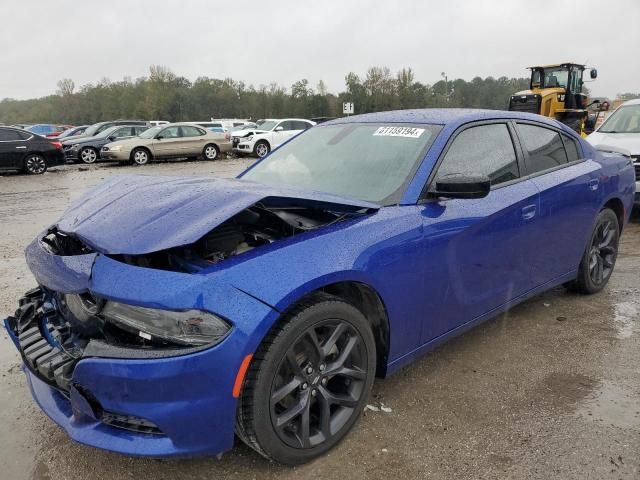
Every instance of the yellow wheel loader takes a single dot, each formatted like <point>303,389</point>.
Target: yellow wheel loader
<point>556,91</point>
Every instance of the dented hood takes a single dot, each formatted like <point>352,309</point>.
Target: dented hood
<point>137,214</point>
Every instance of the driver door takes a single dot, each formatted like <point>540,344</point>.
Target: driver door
<point>168,143</point>
<point>283,132</point>
<point>477,249</point>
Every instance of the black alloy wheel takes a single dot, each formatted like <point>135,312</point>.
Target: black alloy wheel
<point>308,382</point>
<point>600,256</point>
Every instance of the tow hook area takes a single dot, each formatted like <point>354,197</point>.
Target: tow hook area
<point>46,349</point>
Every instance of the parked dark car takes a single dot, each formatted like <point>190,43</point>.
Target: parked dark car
<point>87,149</point>
<point>26,151</point>
<point>97,128</point>
<point>72,132</point>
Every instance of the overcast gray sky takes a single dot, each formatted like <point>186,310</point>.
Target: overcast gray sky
<point>284,41</point>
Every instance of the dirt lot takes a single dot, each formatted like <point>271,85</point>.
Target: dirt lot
<point>549,390</point>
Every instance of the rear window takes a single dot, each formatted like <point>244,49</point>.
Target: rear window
<point>544,148</point>
<point>573,150</point>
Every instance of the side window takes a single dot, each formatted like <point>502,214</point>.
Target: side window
<point>286,125</point>
<point>191,132</point>
<point>483,150</point>
<point>23,135</point>
<point>544,147</point>
<point>170,132</point>
<point>9,135</point>
<point>138,130</point>
<point>572,148</point>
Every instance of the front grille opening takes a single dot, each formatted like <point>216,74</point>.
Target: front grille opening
<point>131,423</point>
<point>62,244</point>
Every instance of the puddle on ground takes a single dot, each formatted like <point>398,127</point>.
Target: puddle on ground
<point>612,405</point>
<point>626,316</point>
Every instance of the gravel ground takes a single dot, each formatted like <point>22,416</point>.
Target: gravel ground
<point>549,390</point>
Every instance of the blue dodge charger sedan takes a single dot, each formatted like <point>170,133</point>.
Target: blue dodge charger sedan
<point>174,312</point>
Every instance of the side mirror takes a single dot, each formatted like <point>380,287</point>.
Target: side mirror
<point>462,186</point>
<point>112,138</point>
<point>159,137</point>
<point>279,129</point>
<point>593,73</point>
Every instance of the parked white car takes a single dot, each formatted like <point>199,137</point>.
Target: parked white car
<point>620,133</point>
<point>271,133</point>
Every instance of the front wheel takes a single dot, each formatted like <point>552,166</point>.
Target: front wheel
<point>261,149</point>
<point>210,152</point>
<point>88,155</point>
<point>600,256</point>
<point>35,164</point>
<point>140,156</point>
<point>309,382</point>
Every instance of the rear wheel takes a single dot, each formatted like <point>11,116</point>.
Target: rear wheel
<point>140,156</point>
<point>600,256</point>
<point>309,382</point>
<point>88,155</point>
<point>35,164</point>
<point>210,152</point>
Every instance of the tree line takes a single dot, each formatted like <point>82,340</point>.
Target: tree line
<point>163,95</point>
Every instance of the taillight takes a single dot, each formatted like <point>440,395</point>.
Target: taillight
<point>57,145</point>
<point>227,136</point>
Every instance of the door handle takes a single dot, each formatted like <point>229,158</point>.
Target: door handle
<point>20,148</point>
<point>593,184</point>
<point>528,212</point>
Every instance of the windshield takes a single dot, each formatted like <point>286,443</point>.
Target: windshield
<point>268,125</point>
<point>366,161</point>
<point>151,132</point>
<point>625,119</point>
<point>93,129</point>
<point>107,132</point>
<point>69,132</point>
<point>555,77</point>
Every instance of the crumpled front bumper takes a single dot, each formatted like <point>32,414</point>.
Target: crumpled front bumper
<point>143,402</point>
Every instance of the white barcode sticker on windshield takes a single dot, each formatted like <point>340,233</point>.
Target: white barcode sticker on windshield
<point>408,132</point>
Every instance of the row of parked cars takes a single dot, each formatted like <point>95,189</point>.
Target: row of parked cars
<point>139,142</point>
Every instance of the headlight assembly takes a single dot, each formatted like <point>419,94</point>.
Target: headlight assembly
<point>75,147</point>
<point>187,327</point>
<point>115,148</point>
<point>249,138</point>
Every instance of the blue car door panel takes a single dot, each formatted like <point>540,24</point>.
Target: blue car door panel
<point>477,254</point>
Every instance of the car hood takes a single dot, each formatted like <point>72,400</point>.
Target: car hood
<point>138,214</point>
<point>245,133</point>
<point>628,142</point>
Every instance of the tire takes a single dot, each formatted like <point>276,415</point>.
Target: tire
<point>210,152</point>
<point>287,373</point>
<point>261,149</point>
<point>88,155</point>
<point>599,258</point>
<point>35,164</point>
<point>140,156</point>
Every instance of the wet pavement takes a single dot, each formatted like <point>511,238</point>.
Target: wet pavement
<point>549,390</point>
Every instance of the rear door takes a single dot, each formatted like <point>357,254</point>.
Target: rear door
<point>569,187</point>
<point>12,148</point>
<point>193,138</point>
<point>477,249</point>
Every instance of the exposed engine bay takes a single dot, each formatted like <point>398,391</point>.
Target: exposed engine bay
<point>253,227</point>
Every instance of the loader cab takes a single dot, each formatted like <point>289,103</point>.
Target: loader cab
<point>566,76</point>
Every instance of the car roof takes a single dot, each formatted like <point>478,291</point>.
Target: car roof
<point>442,116</point>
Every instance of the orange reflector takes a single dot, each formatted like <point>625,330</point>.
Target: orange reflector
<point>240,376</point>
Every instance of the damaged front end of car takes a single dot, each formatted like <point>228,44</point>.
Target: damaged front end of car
<point>127,336</point>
